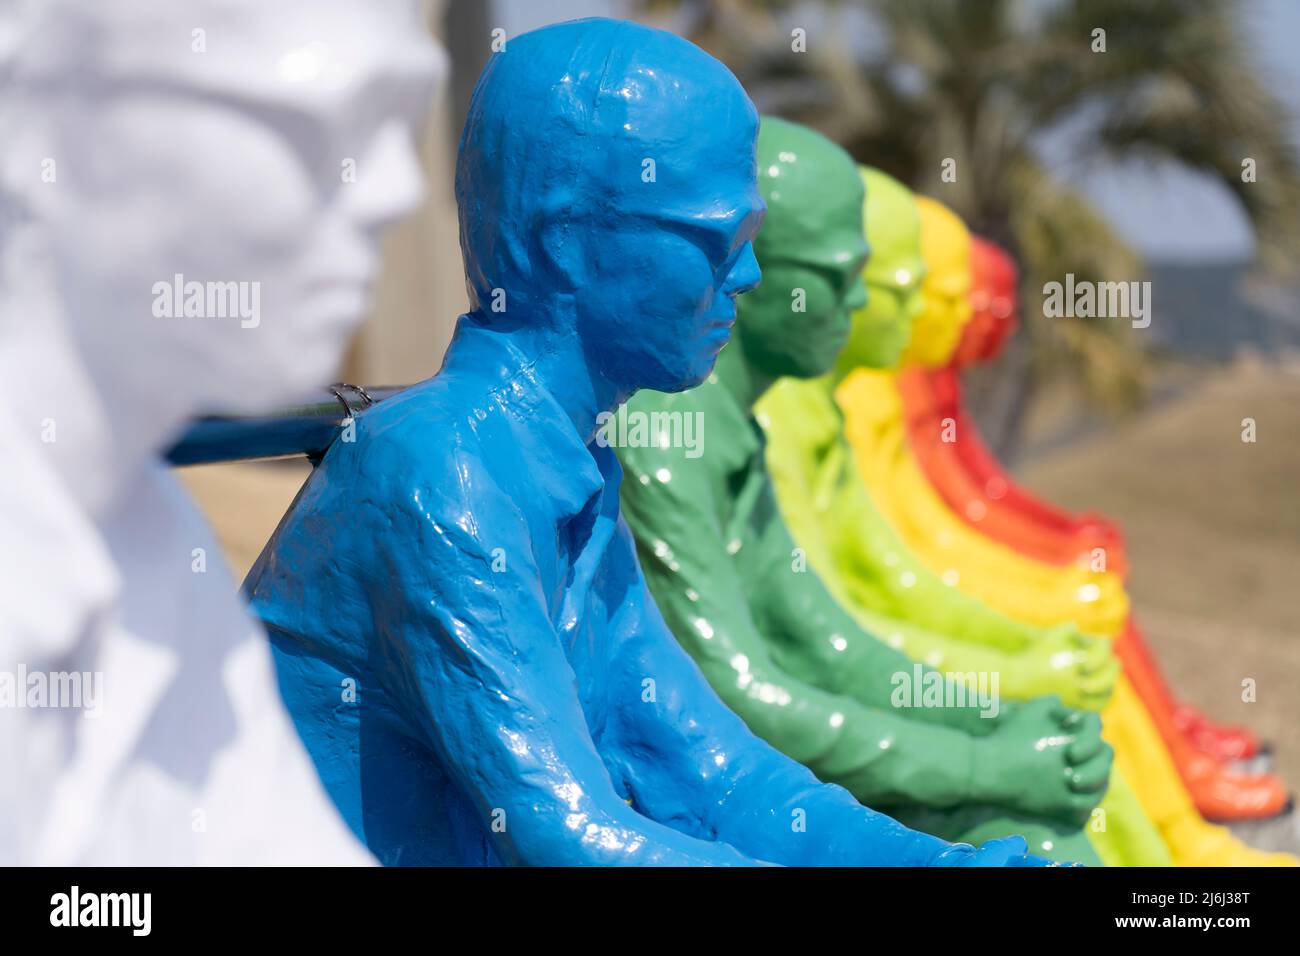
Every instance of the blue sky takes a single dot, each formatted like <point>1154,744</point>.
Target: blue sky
<point>1166,212</point>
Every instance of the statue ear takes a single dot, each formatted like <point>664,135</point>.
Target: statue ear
<point>559,248</point>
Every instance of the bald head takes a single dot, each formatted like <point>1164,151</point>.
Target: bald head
<point>813,194</point>
<point>248,152</point>
<point>589,119</point>
<point>894,231</point>
<point>606,185</point>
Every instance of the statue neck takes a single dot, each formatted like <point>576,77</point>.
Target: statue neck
<point>555,354</point>
<point>742,381</point>
<point>844,366</point>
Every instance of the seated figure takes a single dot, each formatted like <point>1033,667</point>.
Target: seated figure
<point>932,394</point>
<point>135,165</point>
<point>462,632</point>
<point>1147,816</point>
<point>980,490</point>
<point>856,552</point>
<point>733,587</point>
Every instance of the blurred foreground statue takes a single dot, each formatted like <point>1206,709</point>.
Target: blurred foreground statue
<point>179,239</point>
<point>463,633</point>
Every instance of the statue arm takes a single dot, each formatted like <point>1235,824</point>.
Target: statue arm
<point>827,507</point>
<point>748,793</point>
<point>843,654</point>
<point>816,687</point>
<point>485,679</point>
<point>944,626</point>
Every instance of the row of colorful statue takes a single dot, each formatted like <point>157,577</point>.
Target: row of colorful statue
<point>783,607</point>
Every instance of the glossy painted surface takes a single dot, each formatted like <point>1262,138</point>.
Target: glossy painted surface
<point>859,557</point>
<point>1038,593</point>
<point>931,395</point>
<point>945,289</point>
<point>870,572</point>
<point>1025,589</point>
<point>1142,758</point>
<point>978,489</point>
<point>995,305</point>
<point>780,651</point>
<point>518,696</point>
<point>132,159</point>
<point>938,427</point>
<point>883,326</point>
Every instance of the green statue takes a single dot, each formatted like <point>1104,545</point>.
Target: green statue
<point>749,608</point>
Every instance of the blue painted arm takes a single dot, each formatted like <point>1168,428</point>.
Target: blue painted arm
<point>480,667</point>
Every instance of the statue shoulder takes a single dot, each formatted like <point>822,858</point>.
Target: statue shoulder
<point>435,440</point>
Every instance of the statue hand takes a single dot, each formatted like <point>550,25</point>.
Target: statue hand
<point>1006,851</point>
<point>1044,759</point>
<point>1078,668</point>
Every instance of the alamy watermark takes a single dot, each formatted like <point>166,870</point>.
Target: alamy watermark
<point>179,299</point>
<point>68,690</point>
<point>928,688</point>
<point>1100,300</point>
<point>638,429</point>
<point>131,911</point>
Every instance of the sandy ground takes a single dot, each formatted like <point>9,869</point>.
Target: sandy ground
<point>1213,528</point>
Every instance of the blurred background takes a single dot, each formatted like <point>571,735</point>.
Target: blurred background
<point>1125,165</point>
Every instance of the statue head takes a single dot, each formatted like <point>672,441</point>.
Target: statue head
<point>211,177</point>
<point>606,186</point>
<point>994,281</point>
<point>883,327</point>
<point>945,291</point>
<point>811,249</point>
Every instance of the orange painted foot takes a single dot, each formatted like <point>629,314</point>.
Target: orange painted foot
<point>1225,796</point>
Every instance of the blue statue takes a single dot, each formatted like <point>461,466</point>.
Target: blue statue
<point>461,629</point>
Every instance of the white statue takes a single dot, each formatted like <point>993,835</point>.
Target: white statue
<point>191,198</point>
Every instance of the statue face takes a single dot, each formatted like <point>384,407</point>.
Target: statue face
<point>220,238</point>
<point>812,251</point>
<point>994,277</point>
<point>945,249</point>
<point>658,301</point>
<point>893,275</point>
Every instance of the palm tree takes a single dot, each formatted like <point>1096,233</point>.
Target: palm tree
<point>985,83</point>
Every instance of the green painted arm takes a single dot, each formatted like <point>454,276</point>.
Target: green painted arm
<point>673,512</point>
<point>799,670</point>
<point>868,569</point>
<point>813,637</point>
